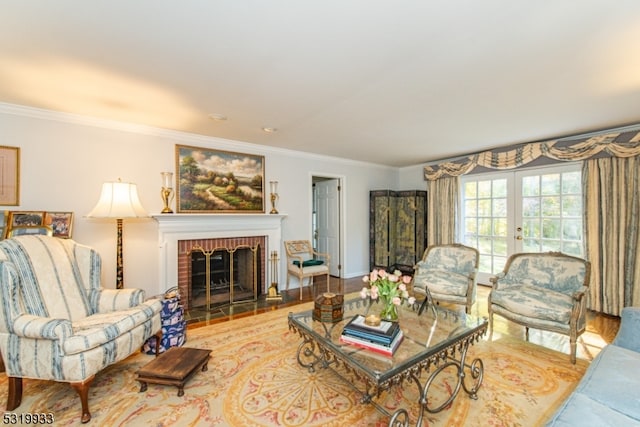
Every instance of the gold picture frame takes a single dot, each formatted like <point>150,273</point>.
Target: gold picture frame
<point>16,219</point>
<point>9,176</point>
<point>216,181</point>
<point>3,225</point>
<point>60,222</point>
<point>25,219</point>
<point>27,231</point>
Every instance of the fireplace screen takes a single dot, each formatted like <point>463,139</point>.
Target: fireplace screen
<point>224,276</point>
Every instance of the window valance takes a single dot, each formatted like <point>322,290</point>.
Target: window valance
<point>616,144</point>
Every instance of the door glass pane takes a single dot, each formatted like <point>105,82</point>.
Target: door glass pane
<point>572,182</point>
<point>500,248</point>
<point>530,245</point>
<point>550,184</point>
<point>484,207</point>
<point>530,186</point>
<point>500,227</point>
<point>550,206</point>
<point>499,208</point>
<point>572,206</point>
<point>530,207</point>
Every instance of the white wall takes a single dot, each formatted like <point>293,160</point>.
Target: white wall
<point>66,158</point>
<point>412,178</point>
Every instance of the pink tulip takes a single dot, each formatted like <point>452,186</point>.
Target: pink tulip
<point>374,292</point>
<point>397,300</point>
<point>373,276</point>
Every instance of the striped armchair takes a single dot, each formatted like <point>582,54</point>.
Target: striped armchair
<point>57,322</point>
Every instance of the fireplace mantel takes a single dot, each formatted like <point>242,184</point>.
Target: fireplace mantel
<point>175,227</point>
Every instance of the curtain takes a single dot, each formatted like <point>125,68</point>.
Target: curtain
<point>442,210</point>
<point>612,218</point>
<point>617,144</point>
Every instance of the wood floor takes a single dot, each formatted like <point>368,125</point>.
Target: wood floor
<point>601,329</point>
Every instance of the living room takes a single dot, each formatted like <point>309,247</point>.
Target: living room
<point>67,151</point>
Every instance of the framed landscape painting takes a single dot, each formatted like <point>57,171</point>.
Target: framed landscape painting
<point>215,181</point>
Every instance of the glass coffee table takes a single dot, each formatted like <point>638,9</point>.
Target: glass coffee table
<point>434,341</point>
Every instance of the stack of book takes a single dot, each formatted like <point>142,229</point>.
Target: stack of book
<point>383,338</point>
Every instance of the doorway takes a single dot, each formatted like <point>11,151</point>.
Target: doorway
<point>530,210</point>
<point>326,219</point>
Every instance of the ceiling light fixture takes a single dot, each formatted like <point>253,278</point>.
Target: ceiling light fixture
<point>217,117</point>
<point>268,129</point>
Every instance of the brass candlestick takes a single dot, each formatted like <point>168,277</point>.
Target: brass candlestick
<point>167,191</point>
<point>274,196</point>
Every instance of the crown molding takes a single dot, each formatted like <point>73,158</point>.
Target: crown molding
<point>183,137</point>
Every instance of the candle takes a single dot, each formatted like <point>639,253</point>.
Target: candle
<point>274,186</point>
<point>167,179</point>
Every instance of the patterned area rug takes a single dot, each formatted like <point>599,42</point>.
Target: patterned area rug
<point>254,380</point>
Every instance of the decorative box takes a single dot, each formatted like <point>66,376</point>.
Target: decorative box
<point>329,307</point>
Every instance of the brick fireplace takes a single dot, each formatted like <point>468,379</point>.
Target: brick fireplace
<point>177,233</point>
<point>191,290</point>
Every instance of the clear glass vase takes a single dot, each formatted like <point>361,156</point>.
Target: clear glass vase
<point>389,311</point>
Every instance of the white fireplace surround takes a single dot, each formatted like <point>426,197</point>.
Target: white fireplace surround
<point>173,228</point>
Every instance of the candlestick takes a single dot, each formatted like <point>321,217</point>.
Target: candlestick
<point>274,196</point>
<point>167,190</point>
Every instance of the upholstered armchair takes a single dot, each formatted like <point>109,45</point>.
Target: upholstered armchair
<point>544,291</point>
<point>57,322</point>
<point>303,262</point>
<point>447,273</point>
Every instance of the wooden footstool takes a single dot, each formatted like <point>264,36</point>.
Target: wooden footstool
<point>173,367</point>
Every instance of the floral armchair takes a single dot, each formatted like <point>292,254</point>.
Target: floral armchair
<point>544,291</point>
<point>57,323</point>
<point>447,273</point>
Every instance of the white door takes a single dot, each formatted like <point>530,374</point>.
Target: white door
<point>532,210</point>
<point>327,232</point>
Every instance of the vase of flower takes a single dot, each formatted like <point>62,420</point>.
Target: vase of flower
<point>389,310</point>
<point>390,290</point>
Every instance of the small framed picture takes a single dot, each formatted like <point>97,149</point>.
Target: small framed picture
<point>60,222</point>
<point>25,219</point>
<point>3,224</point>
<point>24,231</point>
<point>9,176</point>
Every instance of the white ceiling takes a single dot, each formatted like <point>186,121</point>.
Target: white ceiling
<point>390,82</point>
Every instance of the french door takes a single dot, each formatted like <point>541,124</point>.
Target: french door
<point>530,210</point>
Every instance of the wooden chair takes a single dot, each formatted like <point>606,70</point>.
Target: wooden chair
<point>303,262</point>
<point>545,291</point>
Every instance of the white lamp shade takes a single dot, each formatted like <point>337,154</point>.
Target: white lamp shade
<point>118,200</point>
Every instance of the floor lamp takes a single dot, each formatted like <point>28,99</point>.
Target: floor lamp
<point>118,200</point>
